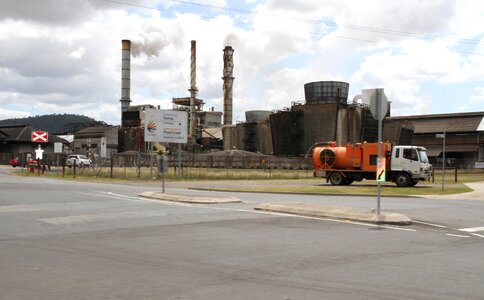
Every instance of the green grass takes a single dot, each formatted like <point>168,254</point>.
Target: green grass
<point>280,180</point>
<point>364,189</point>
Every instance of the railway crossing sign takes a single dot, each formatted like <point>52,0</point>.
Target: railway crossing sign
<point>40,136</point>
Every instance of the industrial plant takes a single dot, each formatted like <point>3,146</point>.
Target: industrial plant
<point>325,114</point>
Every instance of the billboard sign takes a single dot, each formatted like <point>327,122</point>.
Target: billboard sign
<point>166,126</point>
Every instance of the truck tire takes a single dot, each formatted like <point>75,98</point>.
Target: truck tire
<point>348,181</point>
<point>413,182</point>
<point>402,179</point>
<point>336,178</point>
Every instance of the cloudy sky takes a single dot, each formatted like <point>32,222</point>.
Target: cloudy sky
<point>64,56</point>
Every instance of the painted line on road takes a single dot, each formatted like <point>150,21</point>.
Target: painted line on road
<point>19,208</point>
<point>457,235</point>
<point>472,229</point>
<point>479,235</point>
<point>429,224</point>
<point>140,199</point>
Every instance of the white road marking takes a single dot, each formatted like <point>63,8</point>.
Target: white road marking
<point>479,235</point>
<point>141,199</point>
<point>473,229</point>
<point>430,224</point>
<point>19,208</point>
<point>457,235</point>
<point>76,219</point>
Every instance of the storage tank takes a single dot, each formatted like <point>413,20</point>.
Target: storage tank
<point>332,157</point>
<point>256,115</point>
<point>326,91</point>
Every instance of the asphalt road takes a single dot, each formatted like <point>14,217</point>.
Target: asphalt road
<point>62,239</point>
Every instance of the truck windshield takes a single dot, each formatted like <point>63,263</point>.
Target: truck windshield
<point>423,156</point>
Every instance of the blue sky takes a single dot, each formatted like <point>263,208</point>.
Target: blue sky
<point>65,56</point>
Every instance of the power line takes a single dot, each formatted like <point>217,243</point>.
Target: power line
<point>312,21</point>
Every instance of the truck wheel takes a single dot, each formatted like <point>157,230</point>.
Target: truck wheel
<point>336,178</point>
<point>348,181</point>
<point>402,179</point>
<point>413,182</point>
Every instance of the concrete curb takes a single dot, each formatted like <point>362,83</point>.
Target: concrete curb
<point>300,193</point>
<point>188,199</point>
<point>337,212</point>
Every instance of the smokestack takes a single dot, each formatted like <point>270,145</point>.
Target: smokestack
<point>228,83</point>
<point>125,74</point>
<point>193,89</point>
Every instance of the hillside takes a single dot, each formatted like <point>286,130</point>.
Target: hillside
<point>55,123</point>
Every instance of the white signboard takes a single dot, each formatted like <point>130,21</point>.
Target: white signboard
<point>166,126</point>
<point>103,147</point>
<point>57,147</point>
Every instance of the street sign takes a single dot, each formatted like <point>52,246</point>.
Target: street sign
<point>440,136</point>
<point>39,153</point>
<point>40,136</point>
<point>381,169</point>
<point>104,147</point>
<point>57,147</point>
<point>378,102</point>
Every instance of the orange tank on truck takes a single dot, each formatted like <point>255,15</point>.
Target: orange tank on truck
<point>342,165</point>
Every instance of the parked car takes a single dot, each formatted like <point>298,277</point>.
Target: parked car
<point>15,162</point>
<point>79,159</point>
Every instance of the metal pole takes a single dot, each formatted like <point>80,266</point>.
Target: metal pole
<point>179,160</point>
<point>379,148</point>
<point>163,181</point>
<point>443,162</point>
<point>150,146</point>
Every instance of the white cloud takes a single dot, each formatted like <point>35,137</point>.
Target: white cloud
<point>63,57</point>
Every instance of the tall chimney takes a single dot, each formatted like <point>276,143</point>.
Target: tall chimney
<point>193,89</point>
<point>228,83</point>
<point>125,74</point>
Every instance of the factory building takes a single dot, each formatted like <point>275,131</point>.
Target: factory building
<point>324,115</point>
<point>464,136</point>
<point>131,132</point>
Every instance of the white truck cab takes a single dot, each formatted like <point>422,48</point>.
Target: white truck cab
<point>409,164</point>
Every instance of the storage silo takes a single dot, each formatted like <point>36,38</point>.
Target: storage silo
<point>326,92</point>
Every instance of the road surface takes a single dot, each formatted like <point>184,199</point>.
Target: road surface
<point>64,239</point>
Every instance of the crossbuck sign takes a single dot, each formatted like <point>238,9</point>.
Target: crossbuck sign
<point>40,136</point>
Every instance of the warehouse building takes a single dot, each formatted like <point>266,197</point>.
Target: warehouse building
<point>464,143</point>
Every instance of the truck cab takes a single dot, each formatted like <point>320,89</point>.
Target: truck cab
<point>409,164</point>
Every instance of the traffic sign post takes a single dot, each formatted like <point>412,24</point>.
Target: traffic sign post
<point>378,108</point>
<point>442,136</point>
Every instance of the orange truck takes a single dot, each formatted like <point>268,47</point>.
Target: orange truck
<point>404,165</point>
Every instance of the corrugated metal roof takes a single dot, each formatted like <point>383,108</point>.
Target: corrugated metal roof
<point>95,129</point>
<point>464,122</point>
<point>215,132</point>
<point>23,133</point>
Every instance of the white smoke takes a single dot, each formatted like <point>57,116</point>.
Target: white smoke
<point>149,44</point>
<point>231,40</point>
